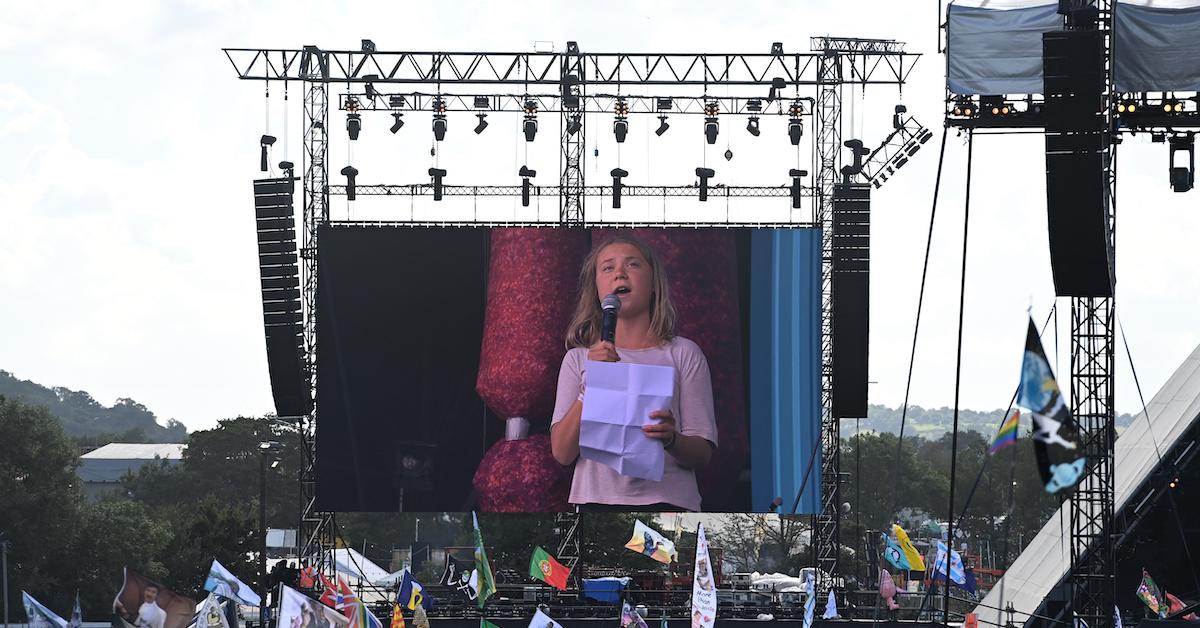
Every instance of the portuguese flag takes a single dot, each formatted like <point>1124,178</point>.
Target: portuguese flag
<point>543,567</point>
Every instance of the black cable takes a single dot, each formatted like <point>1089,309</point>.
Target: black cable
<point>920,302</point>
<point>962,293</point>
<point>1138,385</point>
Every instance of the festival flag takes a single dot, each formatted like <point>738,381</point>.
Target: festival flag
<point>39,616</point>
<point>397,616</point>
<point>483,623</point>
<point>297,609</point>
<point>411,593</point>
<point>957,571</point>
<point>222,582</point>
<point>810,599</point>
<point>830,607</point>
<point>460,577</point>
<point>211,615</point>
<point>329,593</point>
<point>1174,605</point>
<point>648,541</point>
<point>1008,432</point>
<point>630,618</point>
<point>345,600</point>
<point>1116,617</point>
<point>76,613</point>
<point>542,620</point>
<point>367,617</point>
<point>542,566</point>
<point>1149,593</point>
<point>913,557</point>
<point>153,603</point>
<point>1055,436</point>
<point>704,590</point>
<point>894,554</point>
<point>487,583</point>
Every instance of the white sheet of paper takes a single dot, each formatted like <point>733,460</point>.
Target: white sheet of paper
<point>617,402</point>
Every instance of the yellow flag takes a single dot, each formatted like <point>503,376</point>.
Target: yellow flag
<point>915,561</point>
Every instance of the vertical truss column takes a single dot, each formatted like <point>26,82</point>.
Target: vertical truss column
<point>566,526</point>
<point>571,196</point>
<point>829,146</point>
<point>316,527</point>
<point>1093,590</point>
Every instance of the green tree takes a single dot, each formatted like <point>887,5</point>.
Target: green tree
<point>112,534</point>
<point>203,531</point>
<point>40,496</point>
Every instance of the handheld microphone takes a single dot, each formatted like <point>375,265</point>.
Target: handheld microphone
<point>611,305</point>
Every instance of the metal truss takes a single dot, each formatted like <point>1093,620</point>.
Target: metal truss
<point>573,131</point>
<point>426,189</point>
<point>895,151</point>
<point>551,103</point>
<point>566,528</point>
<point>829,146</point>
<point>874,63</point>
<point>599,224</point>
<point>316,527</point>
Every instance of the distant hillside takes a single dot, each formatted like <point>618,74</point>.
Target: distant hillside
<point>933,422</point>
<point>83,417</point>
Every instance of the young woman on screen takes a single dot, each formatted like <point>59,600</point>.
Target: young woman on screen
<point>645,334</point>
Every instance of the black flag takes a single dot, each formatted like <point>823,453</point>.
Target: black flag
<point>1056,443</point>
<point>462,577</point>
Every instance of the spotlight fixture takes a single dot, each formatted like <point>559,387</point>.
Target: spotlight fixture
<point>621,124</point>
<point>705,174</point>
<point>754,105</point>
<point>351,104</point>
<point>439,119</point>
<point>574,124</point>
<point>752,126</point>
<point>1127,106</point>
<point>777,84</point>
<point>398,121</point>
<point>264,142</point>
<point>796,175</point>
<point>353,125</point>
<point>350,172</point>
<point>664,104</point>
<point>1182,173</point>
<point>662,126</point>
<point>795,125</point>
<point>530,125</point>
<point>483,123</point>
<point>897,114</point>
<point>711,110</point>
<point>288,168</point>
<point>437,174</point>
<point>1172,106</point>
<point>395,101</point>
<point>481,102</point>
<point>963,107</point>
<point>728,154</point>
<point>1174,483</point>
<point>369,88</point>
<point>569,91</point>
<point>526,174</point>
<point>617,175</point>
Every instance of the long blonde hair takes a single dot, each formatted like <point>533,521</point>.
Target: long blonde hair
<point>584,330</point>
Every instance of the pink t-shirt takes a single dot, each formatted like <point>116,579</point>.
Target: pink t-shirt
<point>692,408</point>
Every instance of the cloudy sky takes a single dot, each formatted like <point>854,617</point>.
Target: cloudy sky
<point>127,251</point>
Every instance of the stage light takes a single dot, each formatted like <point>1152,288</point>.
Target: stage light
<point>439,119</point>
<point>483,123</point>
<point>705,174</point>
<point>728,154</point>
<point>897,114</point>
<point>796,175</point>
<point>368,46</point>
<point>711,126</point>
<point>617,175</point>
<point>481,102</point>
<point>350,172</point>
<point>662,126</point>
<point>398,121</point>
<point>530,125</point>
<point>1174,482</point>
<point>353,125</point>
<point>395,101</point>
<point>754,105</point>
<point>574,124</point>
<point>620,129</point>
<point>369,88</point>
<point>621,124</point>
<point>1182,174</point>
<point>569,92</point>
<point>264,142</point>
<point>664,104</point>
<point>437,174</point>
<point>795,131</point>
<point>777,84</point>
<point>525,173</point>
<point>752,126</point>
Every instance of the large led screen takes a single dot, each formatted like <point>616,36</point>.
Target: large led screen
<point>453,369</point>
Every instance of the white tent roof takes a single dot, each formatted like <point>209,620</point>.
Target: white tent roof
<point>110,462</point>
<point>353,565</point>
<point>1047,559</point>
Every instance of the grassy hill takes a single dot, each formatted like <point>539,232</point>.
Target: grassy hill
<point>933,422</point>
<point>84,418</point>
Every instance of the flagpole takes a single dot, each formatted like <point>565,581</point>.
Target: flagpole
<point>4,547</point>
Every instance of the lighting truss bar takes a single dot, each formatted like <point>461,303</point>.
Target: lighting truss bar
<point>425,189</point>
<point>593,103</point>
<point>895,151</point>
<point>865,66</point>
<point>856,44</point>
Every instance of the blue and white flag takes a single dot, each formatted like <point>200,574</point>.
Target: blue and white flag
<point>222,582</point>
<point>1116,617</point>
<point>411,593</point>
<point>810,603</point>
<point>830,607</point>
<point>40,616</point>
<point>76,613</point>
<point>958,574</point>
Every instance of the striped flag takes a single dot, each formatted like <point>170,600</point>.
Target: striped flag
<point>958,573</point>
<point>810,600</point>
<point>1008,432</point>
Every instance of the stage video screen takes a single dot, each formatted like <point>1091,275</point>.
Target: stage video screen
<point>467,368</point>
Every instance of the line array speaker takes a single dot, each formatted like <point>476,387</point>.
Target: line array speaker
<point>1077,164</point>
<point>851,297</point>
<point>279,269</point>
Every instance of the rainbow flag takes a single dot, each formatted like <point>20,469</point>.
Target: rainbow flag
<point>1008,432</point>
